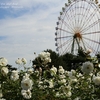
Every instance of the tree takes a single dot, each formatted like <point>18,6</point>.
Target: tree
<point>68,60</point>
<point>56,60</point>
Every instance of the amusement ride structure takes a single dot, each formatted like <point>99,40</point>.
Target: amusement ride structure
<point>78,27</point>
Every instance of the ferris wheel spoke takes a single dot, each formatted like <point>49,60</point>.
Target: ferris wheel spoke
<point>89,46</point>
<point>98,46</point>
<point>90,26</point>
<point>67,48</point>
<point>78,20</point>
<point>91,33</point>
<point>83,44</point>
<point>89,19</point>
<point>69,27</point>
<point>64,30</point>
<point>63,44</point>
<point>85,15</point>
<point>92,40</point>
<point>70,17</point>
<point>63,37</point>
<point>82,13</point>
<point>69,22</point>
<point>75,15</point>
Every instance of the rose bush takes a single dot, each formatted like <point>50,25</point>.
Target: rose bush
<point>49,84</point>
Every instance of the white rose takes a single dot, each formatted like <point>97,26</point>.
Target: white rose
<point>62,76</point>
<point>1,95</point>
<point>68,94</point>
<point>14,76</point>
<point>73,80</point>
<point>24,61</point>
<point>63,81</point>
<point>26,84</point>
<point>69,88</point>
<point>26,94</point>
<point>77,98</point>
<point>98,74</point>
<point>30,71</point>
<point>51,85</point>
<point>18,61</point>
<point>26,76</point>
<point>48,54</point>
<point>3,61</point>
<point>49,60</point>
<point>87,67</point>
<point>71,74</point>
<point>61,70</point>
<point>96,80</point>
<point>54,69</point>
<point>45,57</point>
<point>4,70</point>
<point>42,55</point>
<point>57,94</point>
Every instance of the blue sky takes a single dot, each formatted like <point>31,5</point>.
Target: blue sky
<point>27,26</point>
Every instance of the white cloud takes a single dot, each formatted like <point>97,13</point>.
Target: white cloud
<point>28,29</point>
<point>33,31</point>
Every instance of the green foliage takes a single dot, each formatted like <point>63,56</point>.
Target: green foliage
<point>68,60</point>
<point>53,83</point>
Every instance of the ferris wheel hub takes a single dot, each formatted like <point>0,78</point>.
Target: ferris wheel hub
<point>78,35</point>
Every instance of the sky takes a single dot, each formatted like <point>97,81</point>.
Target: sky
<point>27,26</point>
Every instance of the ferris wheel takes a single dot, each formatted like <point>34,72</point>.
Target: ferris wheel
<point>78,27</point>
